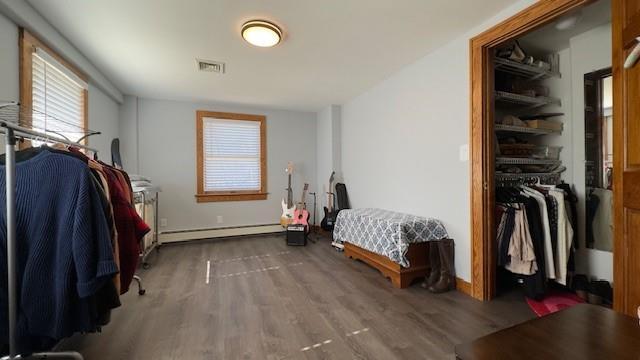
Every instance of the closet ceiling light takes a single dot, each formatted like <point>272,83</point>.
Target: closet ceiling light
<point>568,22</point>
<point>261,33</point>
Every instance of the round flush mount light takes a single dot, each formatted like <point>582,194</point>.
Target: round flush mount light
<point>261,33</point>
<point>568,22</point>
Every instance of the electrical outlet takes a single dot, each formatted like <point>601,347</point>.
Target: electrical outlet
<point>220,219</point>
<point>163,222</point>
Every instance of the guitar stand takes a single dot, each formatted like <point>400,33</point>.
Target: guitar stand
<point>310,237</point>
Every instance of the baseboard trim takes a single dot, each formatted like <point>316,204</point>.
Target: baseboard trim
<point>202,234</point>
<point>463,286</point>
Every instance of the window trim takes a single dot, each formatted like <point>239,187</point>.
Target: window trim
<point>27,44</point>
<point>213,196</point>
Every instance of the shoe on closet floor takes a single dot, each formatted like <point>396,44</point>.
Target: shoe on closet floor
<point>581,286</point>
<point>600,291</point>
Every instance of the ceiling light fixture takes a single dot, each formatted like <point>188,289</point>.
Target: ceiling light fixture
<point>261,33</point>
<point>568,22</point>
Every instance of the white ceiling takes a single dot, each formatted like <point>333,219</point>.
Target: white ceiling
<point>333,49</point>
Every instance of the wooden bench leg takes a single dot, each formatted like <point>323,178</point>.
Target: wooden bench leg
<point>396,281</point>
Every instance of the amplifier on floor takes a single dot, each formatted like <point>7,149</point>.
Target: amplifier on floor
<point>296,235</point>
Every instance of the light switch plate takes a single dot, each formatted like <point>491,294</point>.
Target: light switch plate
<point>464,152</point>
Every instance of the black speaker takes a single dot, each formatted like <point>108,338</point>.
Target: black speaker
<point>296,235</point>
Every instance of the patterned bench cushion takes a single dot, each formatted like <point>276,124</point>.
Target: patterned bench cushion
<point>385,232</point>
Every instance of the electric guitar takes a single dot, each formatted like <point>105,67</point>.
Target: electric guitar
<point>330,213</point>
<point>288,208</point>
<point>301,215</point>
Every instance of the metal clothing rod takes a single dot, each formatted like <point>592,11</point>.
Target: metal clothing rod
<point>36,135</point>
<point>12,254</point>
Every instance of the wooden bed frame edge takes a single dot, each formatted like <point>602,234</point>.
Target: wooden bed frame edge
<point>417,254</point>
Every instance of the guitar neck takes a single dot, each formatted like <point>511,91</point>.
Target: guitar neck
<point>330,199</point>
<point>289,193</point>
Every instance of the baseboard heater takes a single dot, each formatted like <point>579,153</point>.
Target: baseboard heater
<point>201,234</point>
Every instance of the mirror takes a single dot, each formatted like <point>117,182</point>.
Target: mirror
<point>598,123</point>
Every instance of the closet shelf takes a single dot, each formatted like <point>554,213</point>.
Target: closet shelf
<point>525,161</point>
<point>523,130</point>
<point>523,70</point>
<point>518,99</point>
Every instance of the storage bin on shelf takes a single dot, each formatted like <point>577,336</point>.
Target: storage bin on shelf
<point>544,124</point>
<point>547,152</point>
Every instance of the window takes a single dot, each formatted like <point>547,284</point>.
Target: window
<point>231,157</point>
<point>53,90</point>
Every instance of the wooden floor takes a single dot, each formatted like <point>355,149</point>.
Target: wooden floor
<point>265,300</point>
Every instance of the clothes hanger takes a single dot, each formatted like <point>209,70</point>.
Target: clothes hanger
<point>543,186</point>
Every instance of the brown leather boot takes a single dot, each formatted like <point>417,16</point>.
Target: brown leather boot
<point>434,263</point>
<point>447,279</point>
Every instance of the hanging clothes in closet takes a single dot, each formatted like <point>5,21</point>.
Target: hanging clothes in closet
<point>535,234</point>
<point>70,250</point>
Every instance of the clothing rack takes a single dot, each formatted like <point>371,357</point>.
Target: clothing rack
<point>148,248</point>
<point>10,124</point>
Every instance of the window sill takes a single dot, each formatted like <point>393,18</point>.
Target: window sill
<point>202,198</point>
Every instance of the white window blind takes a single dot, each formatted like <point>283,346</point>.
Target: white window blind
<point>57,98</point>
<point>231,155</point>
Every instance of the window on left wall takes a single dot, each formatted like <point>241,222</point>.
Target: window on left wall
<point>53,91</point>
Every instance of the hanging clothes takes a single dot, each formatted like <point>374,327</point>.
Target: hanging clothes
<point>546,231</point>
<point>522,259</point>
<point>535,284</point>
<point>130,228</point>
<point>593,202</point>
<point>78,240</point>
<point>571,200</point>
<point>65,255</point>
<point>565,237</point>
<point>534,235</point>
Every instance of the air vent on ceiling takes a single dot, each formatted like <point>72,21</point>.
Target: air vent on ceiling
<point>210,66</point>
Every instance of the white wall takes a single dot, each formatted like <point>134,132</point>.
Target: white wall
<point>103,117</point>
<point>328,139</point>
<point>590,51</point>
<point>9,60</point>
<point>401,141</point>
<point>128,123</point>
<point>167,148</point>
<point>324,152</point>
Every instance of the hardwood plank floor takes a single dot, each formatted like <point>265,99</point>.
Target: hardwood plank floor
<point>265,300</point>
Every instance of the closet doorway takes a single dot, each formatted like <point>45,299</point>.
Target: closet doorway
<point>484,140</point>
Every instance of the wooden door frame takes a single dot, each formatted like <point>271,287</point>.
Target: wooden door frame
<point>483,278</point>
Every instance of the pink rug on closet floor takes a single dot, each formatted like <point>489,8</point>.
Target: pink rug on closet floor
<point>554,301</point>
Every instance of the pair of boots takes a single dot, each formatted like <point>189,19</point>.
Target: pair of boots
<point>441,259</point>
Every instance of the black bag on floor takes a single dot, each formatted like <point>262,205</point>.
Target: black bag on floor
<point>342,198</point>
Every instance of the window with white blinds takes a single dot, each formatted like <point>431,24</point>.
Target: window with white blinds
<point>232,159</point>
<point>58,98</point>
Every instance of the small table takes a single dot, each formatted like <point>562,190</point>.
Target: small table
<point>580,332</point>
